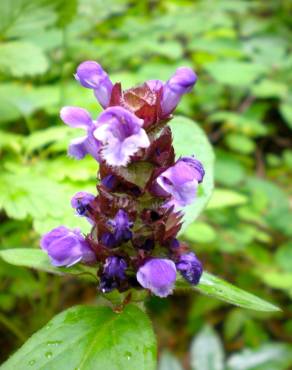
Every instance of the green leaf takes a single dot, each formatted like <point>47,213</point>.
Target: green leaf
<point>190,139</point>
<point>88,338</point>
<point>272,356</point>
<point>168,362</point>
<point>240,143</point>
<point>18,59</point>
<point>222,198</point>
<point>36,259</point>
<point>220,289</point>
<point>207,351</point>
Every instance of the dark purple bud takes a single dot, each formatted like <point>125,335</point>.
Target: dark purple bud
<point>179,84</point>
<point>181,181</point>
<point>67,247</point>
<point>113,272</point>
<point>190,267</point>
<point>80,202</point>
<point>158,275</point>
<point>174,244</point>
<point>80,118</point>
<point>120,233</point>
<point>91,75</point>
<point>109,181</point>
<point>121,134</point>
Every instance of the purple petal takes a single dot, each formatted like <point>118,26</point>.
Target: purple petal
<point>81,200</point>
<point>121,134</point>
<point>66,247</point>
<point>190,267</point>
<point>76,117</point>
<point>181,181</point>
<point>92,76</point>
<point>81,146</point>
<point>158,275</point>
<point>155,85</point>
<point>179,84</point>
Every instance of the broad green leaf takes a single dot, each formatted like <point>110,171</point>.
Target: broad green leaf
<point>19,59</point>
<point>272,356</point>
<point>283,257</point>
<point>220,289</point>
<point>207,351</point>
<point>222,198</point>
<point>189,139</point>
<point>20,18</point>
<point>36,259</point>
<point>88,338</point>
<point>168,362</point>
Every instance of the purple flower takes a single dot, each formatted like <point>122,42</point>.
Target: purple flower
<point>67,247</point>
<point>91,75</point>
<point>190,268</point>
<point>179,84</point>
<point>181,181</point>
<point>158,275</point>
<point>80,118</point>
<point>80,202</point>
<point>113,271</point>
<point>121,232</point>
<point>121,134</point>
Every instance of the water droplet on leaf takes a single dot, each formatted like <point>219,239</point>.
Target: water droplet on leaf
<point>48,354</point>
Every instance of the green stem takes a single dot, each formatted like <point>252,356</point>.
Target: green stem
<point>12,327</point>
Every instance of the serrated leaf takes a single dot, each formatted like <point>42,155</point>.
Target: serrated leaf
<point>19,59</point>
<point>207,351</point>
<point>189,139</point>
<point>87,338</point>
<point>218,288</point>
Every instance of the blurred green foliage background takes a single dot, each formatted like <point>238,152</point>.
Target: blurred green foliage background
<point>241,51</point>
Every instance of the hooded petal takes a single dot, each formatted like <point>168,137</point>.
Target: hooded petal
<point>190,267</point>
<point>158,275</point>
<point>92,76</point>
<point>76,117</point>
<point>179,84</point>
<point>66,247</point>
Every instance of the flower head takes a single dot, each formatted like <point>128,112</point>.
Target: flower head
<point>121,134</point>
<point>158,275</point>
<point>181,181</point>
<point>67,247</point>
<point>190,268</point>
<point>179,84</point>
<point>80,118</point>
<point>91,75</point>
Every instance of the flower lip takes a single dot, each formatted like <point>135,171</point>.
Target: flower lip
<point>181,181</point>
<point>158,275</point>
<point>121,134</point>
<point>80,118</point>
